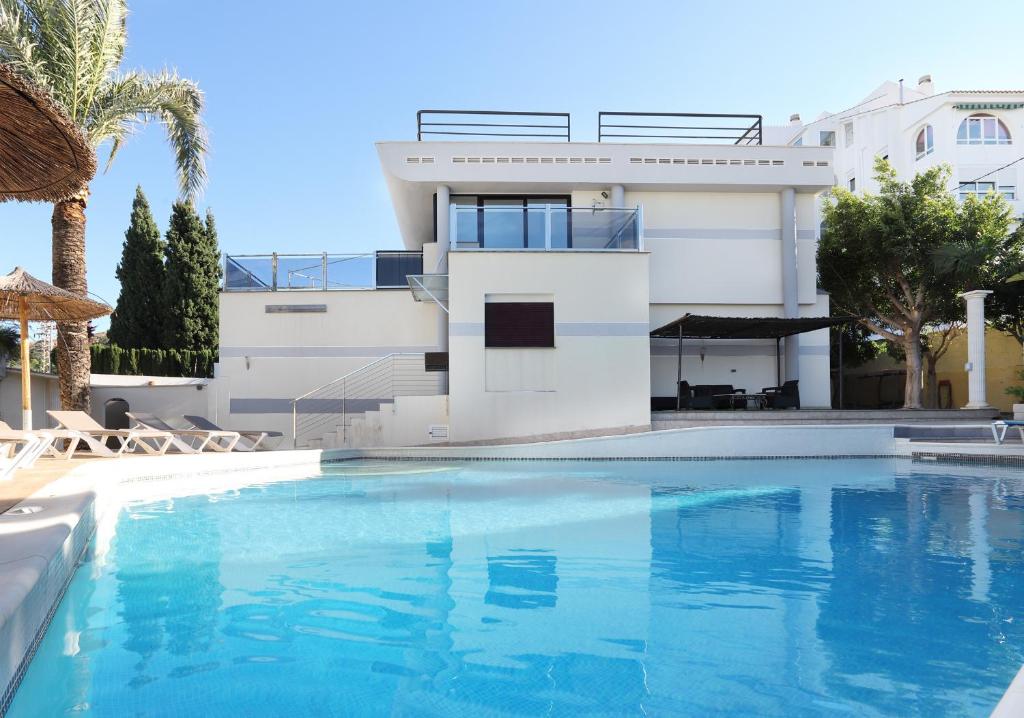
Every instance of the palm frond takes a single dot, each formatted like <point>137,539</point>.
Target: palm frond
<point>136,98</point>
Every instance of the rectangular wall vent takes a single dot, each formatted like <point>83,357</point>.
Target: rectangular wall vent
<point>523,160</point>
<point>437,431</point>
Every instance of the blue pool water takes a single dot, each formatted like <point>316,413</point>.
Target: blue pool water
<point>773,588</point>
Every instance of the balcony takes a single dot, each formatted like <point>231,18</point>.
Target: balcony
<point>318,272</point>
<point>523,225</point>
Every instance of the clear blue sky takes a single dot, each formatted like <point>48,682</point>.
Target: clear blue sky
<point>298,92</point>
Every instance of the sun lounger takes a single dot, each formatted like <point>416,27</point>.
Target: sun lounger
<point>40,440</point>
<point>80,429</point>
<point>18,450</point>
<point>189,441</point>
<point>250,441</point>
<point>1000,426</point>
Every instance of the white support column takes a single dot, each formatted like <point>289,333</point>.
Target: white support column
<point>975,366</point>
<point>618,199</point>
<point>790,298</point>
<point>443,213</point>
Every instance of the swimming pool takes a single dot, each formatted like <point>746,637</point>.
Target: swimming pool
<point>846,587</point>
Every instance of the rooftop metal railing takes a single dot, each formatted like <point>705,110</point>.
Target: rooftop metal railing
<point>716,128</point>
<point>493,123</point>
<point>280,272</point>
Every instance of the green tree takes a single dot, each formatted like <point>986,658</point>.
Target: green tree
<point>193,281</point>
<point>894,259</point>
<point>138,320</point>
<point>73,50</point>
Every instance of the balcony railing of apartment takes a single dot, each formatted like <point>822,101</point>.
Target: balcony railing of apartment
<point>285,272</point>
<point>711,128</point>
<point>492,123</point>
<point>545,227</point>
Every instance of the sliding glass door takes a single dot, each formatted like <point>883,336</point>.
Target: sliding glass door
<point>512,222</point>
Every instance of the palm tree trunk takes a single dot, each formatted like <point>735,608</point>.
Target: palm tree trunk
<point>73,358</point>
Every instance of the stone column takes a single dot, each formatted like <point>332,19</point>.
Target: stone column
<point>975,366</point>
<point>790,301</point>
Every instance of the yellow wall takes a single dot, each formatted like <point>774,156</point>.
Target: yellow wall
<point>1002,360</point>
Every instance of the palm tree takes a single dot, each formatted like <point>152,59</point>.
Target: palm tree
<point>10,344</point>
<point>73,50</point>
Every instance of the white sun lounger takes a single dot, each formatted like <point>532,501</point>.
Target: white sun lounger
<point>1000,427</point>
<point>188,441</point>
<point>78,428</point>
<point>250,441</point>
<point>41,440</point>
<point>18,450</point>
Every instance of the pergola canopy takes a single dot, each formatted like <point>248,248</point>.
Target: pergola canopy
<point>700,326</point>
<point>43,156</point>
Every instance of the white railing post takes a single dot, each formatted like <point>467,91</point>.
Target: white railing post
<point>640,227</point>
<point>295,423</point>
<point>323,272</point>
<point>547,226</point>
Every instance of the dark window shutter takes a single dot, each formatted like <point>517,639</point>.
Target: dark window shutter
<point>435,361</point>
<point>519,324</point>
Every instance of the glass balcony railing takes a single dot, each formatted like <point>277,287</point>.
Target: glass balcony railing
<point>545,227</point>
<point>285,272</point>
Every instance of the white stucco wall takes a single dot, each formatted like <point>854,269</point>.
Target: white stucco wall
<point>596,377</point>
<point>45,396</point>
<point>268,359</point>
<point>167,397</point>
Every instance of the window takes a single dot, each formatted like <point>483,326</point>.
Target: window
<point>519,324</point>
<point>982,129</point>
<point>827,138</point>
<point>980,189</point>
<point>925,143</point>
<point>852,184</point>
<point>510,222</point>
<point>848,134</point>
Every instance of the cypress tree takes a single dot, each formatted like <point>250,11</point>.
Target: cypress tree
<point>138,320</point>
<point>193,281</point>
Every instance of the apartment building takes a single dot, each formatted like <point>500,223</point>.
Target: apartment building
<point>547,287</point>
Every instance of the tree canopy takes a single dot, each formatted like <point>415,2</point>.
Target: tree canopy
<point>138,319</point>
<point>192,283</point>
<point>899,259</point>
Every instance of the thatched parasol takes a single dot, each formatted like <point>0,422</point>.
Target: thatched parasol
<point>43,156</point>
<point>23,297</point>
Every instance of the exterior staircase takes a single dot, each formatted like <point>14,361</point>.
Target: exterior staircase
<point>389,400</point>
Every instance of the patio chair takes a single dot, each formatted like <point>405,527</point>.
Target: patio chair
<point>999,427</point>
<point>251,440</point>
<point>80,429</point>
<point>786,396</point>
<point>188,441</point>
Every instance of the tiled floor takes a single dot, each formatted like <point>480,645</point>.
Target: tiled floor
<point>27,481</point>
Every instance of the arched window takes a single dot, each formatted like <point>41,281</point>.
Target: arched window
<point>982,129</point>
<point>925,143</point>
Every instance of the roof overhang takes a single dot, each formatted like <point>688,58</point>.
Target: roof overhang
<point>700,326</point>
<point>414,170</point>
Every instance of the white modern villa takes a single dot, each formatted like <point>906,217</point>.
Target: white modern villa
<point>973,131</point>
<point>536,269</point>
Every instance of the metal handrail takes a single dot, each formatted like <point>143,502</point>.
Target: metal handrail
<point>563,128</point>
<point>383,379</point>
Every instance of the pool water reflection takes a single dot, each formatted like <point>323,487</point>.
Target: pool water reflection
<point>870,587</point>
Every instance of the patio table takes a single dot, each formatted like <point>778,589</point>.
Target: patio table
<point>759,400</point>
